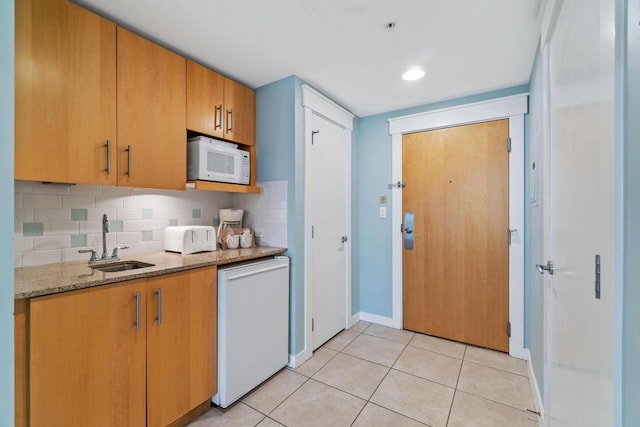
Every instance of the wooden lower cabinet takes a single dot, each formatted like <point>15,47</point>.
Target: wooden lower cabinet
<point>104,357</point>
<point>181,343</point>
<point>87,358</point>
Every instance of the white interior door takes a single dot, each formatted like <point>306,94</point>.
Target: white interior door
<point>579,218</point>
<point>328,213</point>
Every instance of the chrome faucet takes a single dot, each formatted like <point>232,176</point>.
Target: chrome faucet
<point>105,230</point>
<point>104,257</point>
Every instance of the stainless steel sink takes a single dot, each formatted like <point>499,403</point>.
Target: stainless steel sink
<point>120,266</point>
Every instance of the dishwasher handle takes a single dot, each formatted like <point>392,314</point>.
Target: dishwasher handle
<point>240,275</point>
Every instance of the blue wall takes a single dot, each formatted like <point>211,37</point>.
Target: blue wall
<point>533,235</point>
<point>631,197</point>
<point>6,219</point>
<point>372,173</point>
<point>279,130</point>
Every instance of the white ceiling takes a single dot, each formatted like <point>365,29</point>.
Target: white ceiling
<point>341,47</point>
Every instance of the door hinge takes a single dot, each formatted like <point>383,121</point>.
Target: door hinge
<point>508,237</point>
<point>313,232</point>
<point>509,145</point>
<point>312,325</point>
<point>509,329</point>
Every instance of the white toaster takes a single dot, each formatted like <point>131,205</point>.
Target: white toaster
<point>189,239</point>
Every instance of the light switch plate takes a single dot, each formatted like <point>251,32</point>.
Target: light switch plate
<point>383,211</point>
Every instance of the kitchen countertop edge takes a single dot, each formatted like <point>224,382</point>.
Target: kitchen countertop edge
<point>51,279</point>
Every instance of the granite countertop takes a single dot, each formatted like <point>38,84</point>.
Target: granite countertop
<point>54,278</point>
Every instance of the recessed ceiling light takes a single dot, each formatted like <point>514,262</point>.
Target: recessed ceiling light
<point>413,74</point>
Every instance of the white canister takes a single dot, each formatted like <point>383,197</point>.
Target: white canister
<point>233,241</point>
<point>246,239</point>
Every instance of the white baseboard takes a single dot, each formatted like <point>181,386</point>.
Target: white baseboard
<point>535,389</point>
<point>354,319</point>
<point>518,352</point>
<point>297,360</point>
<point>374,318</point>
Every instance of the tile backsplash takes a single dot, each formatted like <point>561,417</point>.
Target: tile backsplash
<point>52,222</point>
<point>266,213</point>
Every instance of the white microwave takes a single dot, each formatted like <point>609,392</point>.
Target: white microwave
<point>210,159</point>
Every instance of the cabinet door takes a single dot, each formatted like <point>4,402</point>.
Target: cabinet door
<point>181,343</point>
<point>152,151</point>
<point>240,113</point>
<point>65,93</point>
<point>87,358</point>
<point>205,91</point>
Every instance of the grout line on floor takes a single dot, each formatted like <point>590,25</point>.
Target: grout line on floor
<point>453,398</point>
<point>269,418</point>
<point>497,369</point>
<point>325,364</point>
<point>398,413</point>
<point>426,379</point>
<point>461,365</point>
<point>494,401</point>
<point>422,378</point>
<point>283,400</point>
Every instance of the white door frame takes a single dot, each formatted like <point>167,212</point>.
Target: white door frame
<point>511,107</point>
<point>316,103</point>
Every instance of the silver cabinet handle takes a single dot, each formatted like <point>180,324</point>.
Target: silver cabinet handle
<point>108,147</point>
<point>542,268</point>
<point>137,311</point>
<point>128,160</point>
<point>344,239</point>
<point>230,120</point>
<point>159,292</point>
<point>217,117</point>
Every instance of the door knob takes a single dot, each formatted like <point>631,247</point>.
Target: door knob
<point>542,268</point>
<point>408,230</point>
<point>344,239</point>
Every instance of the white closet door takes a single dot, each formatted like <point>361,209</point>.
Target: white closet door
<point>579,219</point>
<point>328,197</point>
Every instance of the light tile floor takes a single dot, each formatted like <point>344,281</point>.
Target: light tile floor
<point>371,375</point>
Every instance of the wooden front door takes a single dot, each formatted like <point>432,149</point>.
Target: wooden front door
<point>456,276</point>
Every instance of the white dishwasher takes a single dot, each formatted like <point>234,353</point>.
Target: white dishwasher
<point>253,326</point>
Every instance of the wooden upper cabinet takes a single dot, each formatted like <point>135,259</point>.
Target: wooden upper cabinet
<point>205,98</point>
<point>87,358</point>
<point>65,93</point>
<point>240,113</point>
<point>152,150</point>
<point>220,107</point>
